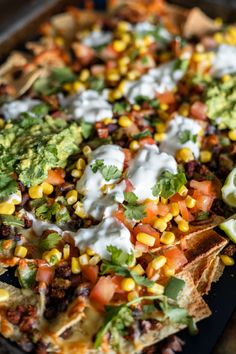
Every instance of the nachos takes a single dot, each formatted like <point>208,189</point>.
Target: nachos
<point>117,178</point>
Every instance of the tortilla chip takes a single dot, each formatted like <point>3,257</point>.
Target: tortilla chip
<point>212,273</point>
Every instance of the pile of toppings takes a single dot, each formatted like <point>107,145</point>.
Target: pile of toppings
<point>115,152</point>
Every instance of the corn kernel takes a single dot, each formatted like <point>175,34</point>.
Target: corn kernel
<point>80,164</point>
<point>156,289</point>
<point>174,209</point>
<point>164,201</point>
<point>134,145</point>
<point>183,191</point>
<point>66,251</point>
<point>184,109</point>
<point>190,202</point>
<point>84,75</point>
<point>20,251</point>
<point>107,121</point>
<point>184,155</point>
<point>47,188</point>
<point>77,86</point>
<point>75,265</point>
<point>138,269</point>
<point>125,122</point>
<point>218,37</point>
<point>124,61</point>
<point>158,262</point>
<point>205,156</point>
<point>53,256</point>
<point>160,224</point>
<point>146,239</point>
<point>183,226</point>
<point>159,137</point>
<point>59,41</point>
<point>71,197</point>
<point>79,210</point>
<point>164,106</point>
<point>136,107</point>
<point>127,284</point>
<point>119,45</point>
<point>167,238</point>
<point>7,208</point>
<point>169,272</point>
<point>87,150</point>
<point>132,75</point>
<point>113,76</point>
<point>2,122</point>
<point>68,87</point>
<point>94,260</point>
<point>76,173</point>
<point>4,295</point>
<point>84,259</point>
<point>228,261</point>
<point>36,192</point>
<point>232,135</point>
<point>90,252</point>
<point>138,253</point>
<point>132,295</point>
<point>226,78</point>
<point>160,128</point>
<point>123,26</point>
<point>167,217</point>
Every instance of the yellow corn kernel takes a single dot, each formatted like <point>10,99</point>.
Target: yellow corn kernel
<point>160,224</point>
<point>113,76</point>
<point>164,201</point>
<point>228,261</point>
<point>4,295</point>
<point>36,192</point>
<point>206,156</point>
<point>72,196</point>
<point>167,217</point>
<point>138,253</point>
<point>127,284</point>
<point>184,155</point>
<point>183,226</point>
<point>80,164</point>
<point>119,45</point>
<point>132,74</point>
<point>84,75</point>
<point>59,41</point>
<point>79,210</point>
<point>84,259</point>
<point>53,256</point>
<point>77,86</point>
<point>76,173</point>
<point>2,122</point>
<point>226,78</point>
<point>174,209</point>
<point>136,107</point>
<point>169,272</point>
<point>164,106</point>
<point>190,202</point>
<point>184,109</point>
<point>132,295</point>
<point>159,137</point>
<point>167,238</point>
<point>138,269</point>
<point>94,260</point>
<point>125,122</point>
<point>134,145</point>
<point>75,265</point>
<point>123,26</point>
<point>66,251</point>
<point>107,121</point>
<point>183,191</point>
<point>7,208</point>
<point>87,150</point>
<point>232,135</point>
<point>47,188</point>
<point>146,239</point>
<point>158,262</point>
<point>90,252</point>
<point>68,87</point>
<point>20,251</point>
<point>156,289</point>
<point>160,127</point>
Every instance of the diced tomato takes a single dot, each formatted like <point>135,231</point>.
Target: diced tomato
<point>198,110</point>
<point>149,271</point>
<point>151,210</point>
<point>147,141</point>
<point>116,279</point>
<point>91,273</point>
<point>205,187</point>
<point>103,132</point>
<point>129,186</point>
<point>103,292</point>
<point>162,209</point>
<point>167,97</point>
<point>97,69</point>
<point>175,258</point>
<point>45,274</point>
<point>147,229</point>
<point>141,247</point>
<point>108,53</point>
<point>56,176</point>
<point>204,202</point>
<point>184,211</point>
<point>84,53</point>
<point>128,157</point>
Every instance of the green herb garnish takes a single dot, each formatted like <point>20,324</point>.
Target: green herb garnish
<point>168,184</point>
<point>108,172</point>
<point>174,286</point>
<point>186,135</point>
<point>50,241</point>
<point>133,210</point>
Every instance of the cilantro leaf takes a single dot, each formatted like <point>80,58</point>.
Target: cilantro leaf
<point>56,212</point>
<point>121,107</point>
<point>144,134</point>
<point>50,241</point>
<point>173,287</point>
<point>130,198</point>
<point>12,220</point>
<point>168,184</point>
<point>141,280</point>
<point>63,75</point>
<point>120,257</point>
<point>140,99</point>
<point>186,135</point>
<point>86,129</point>
<point>96,83</point>
<point>110,172</point>
<point>8,186</point>
<point>181,64</point>
<point>97,165</point>
<point>134,212</point>
<point>202,216</point>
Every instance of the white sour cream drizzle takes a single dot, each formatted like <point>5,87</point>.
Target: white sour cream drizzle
<point>224,61</point>
<point>97,38</point>
<point>12,110</point>
<point>89,105</point>
<point>172,140</point>
<point>109,232</point>
<point>146,168</point>
<point>39,226</point>
<point>157,80</point>
<point>146,27</point>
<point>95,202</point>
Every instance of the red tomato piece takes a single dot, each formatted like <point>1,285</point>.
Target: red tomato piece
<point>45,274</point>
<point>56,176</point>
<point>129,186</point>
<point>103,292</point>
<point>205,187</point>
<point>204,202</point>
<point>90,272</point>
<point>184,211</point>
<point>167,97</point>
<point>163,209</point>
<point>175,258</point>
<point>198,110</point>
<point>147,141</point>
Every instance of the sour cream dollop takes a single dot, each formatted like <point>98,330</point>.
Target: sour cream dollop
<point>178,126</point>
<point>89,105</point>
<point>224,61</point>
<point>12,110</point>
<point>109,232</point>
<point>97,38</point>
<point>39,226</point>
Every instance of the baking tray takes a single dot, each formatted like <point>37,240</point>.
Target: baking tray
<point>22,25</point>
